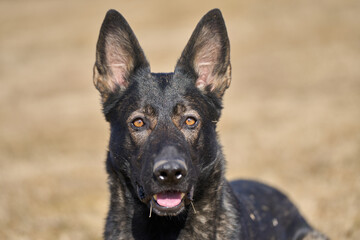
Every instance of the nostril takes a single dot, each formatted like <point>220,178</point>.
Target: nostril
<point>162,175</point>
<point>178,175</point>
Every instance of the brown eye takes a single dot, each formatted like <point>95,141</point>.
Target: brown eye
<point>190,121</point>
<point>138,123</point>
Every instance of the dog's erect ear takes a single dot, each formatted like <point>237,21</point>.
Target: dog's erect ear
<point>118,55</point>
<point>207,55</point>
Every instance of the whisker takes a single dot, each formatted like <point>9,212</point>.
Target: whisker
<point>150,209</point>
<point>193,207</point>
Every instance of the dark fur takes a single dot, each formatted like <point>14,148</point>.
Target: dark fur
<point>212,208</point>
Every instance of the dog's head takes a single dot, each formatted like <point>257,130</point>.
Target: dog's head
<point>163,126</point>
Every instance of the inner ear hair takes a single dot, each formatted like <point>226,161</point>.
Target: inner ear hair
<point>206,58</point>
<point>119,60</point>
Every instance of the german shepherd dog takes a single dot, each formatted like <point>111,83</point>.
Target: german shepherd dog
<point>165,163</point>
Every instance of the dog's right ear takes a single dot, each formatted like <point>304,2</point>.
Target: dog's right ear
<point>207,55</point>
<point>118,55</point>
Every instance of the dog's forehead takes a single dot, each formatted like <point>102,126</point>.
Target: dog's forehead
<point>161,90</point>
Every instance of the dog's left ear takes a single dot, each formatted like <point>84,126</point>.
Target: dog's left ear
<point>207,55</point>
<point>118,55</point>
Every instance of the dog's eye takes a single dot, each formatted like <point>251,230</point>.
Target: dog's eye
<point>190,121</point>
<point>138,123</point>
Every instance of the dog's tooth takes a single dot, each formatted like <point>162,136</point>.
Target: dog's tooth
<point>182,195</point>
<point>155,197</point>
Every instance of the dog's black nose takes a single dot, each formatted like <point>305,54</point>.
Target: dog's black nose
<point>170,171</point>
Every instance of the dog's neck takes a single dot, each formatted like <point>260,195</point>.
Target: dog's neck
<point>129,215</point>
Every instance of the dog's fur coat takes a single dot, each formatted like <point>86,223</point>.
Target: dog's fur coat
<point>164,147</point>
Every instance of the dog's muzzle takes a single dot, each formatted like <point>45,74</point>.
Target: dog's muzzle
<point>169,191</point>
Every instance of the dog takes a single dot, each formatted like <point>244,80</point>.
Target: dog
<point>164,161</point>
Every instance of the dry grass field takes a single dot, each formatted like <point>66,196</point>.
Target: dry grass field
<point>291,117</point>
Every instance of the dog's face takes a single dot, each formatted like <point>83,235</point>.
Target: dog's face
<point>163,125</point>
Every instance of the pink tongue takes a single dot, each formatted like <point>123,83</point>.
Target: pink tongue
<point>169,199</point>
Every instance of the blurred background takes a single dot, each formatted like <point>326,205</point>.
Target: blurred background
<point>291,117</point>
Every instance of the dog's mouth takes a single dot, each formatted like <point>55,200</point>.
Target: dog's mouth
<point>168,203</point>
<point>168,199</point>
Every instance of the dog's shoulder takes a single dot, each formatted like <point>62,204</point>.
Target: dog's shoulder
<point>271,211</point>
